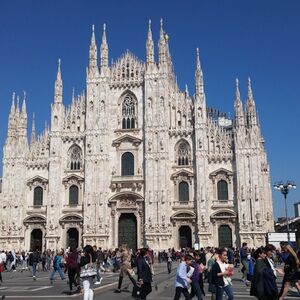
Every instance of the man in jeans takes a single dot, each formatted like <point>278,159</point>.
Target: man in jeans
<point>181,279</point>
<point>244,260</point>
<point>35,261</point>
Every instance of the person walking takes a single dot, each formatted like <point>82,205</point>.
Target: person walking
<point>244,251</point>
<point>72,266</point>
<point>181,278</point>
<point>221,273</point>
<point>144,274</point>
<point>88,271</point>
<point>97,255</point>
<point>169,261</point>
<point>196,288</point>
<point>257,282</point>
<point>2,263</point>
<point>211,286</point>
<point>57,267</point>
<point>125,268</point>
<point>36,258</point>
<point>291,264</point>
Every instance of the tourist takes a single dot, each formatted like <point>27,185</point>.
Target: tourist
<point>257,282</point>
<point>57,266</point>
<point>221,273</point>
<point>88,271</point>
<point>291,264</point>
<point>211,286</point>
<point>196,288</point>
<point>36,258</point>
<point>72,265</point>
<point>2,263</point>
<point>181,278</point>
<point>125,268</point>
<point>169,261</point>
<point>98,263</point>
<point>244,261</point>
<point>144,274</point>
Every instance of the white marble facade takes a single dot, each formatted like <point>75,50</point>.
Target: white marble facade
<point>134,157</point>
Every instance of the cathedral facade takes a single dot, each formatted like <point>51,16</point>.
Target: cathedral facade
<point>134,160</point>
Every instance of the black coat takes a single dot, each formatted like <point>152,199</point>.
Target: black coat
<point>144,270</point>
<point>216,280</point>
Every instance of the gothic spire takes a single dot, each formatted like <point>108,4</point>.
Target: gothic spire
<point>104,49</point>
<point>11,119</point>
<point>149,47</point>
<point>18,107</point>
<point>58,87</point>
<point>13,108</point>
<point>24,113</point>
<point>198,76</point>
<point>33,133</point>
<point>238,106</point>
<point>93,67</point>
<point>250,106</point>
<point>162,46</point>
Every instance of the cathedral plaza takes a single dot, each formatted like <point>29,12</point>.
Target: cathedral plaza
<point>135,160</point>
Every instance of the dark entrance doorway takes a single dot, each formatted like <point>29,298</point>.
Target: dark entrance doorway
<point>128,231</point>
<point>36,240</point>
<point>185,237</point>
<point>225,236</point>
<point>72,237</point>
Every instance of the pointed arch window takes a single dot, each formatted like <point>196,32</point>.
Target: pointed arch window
<point>184,192</point>
<point>73,195</point>
<point>127,164</point>
<point>183,154</point>
<point>222,190</point>
<point>38,196</point>
<point>75,158</point>
<point>129,110</point>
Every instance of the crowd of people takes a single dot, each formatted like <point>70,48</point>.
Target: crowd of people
<point>259,269</point>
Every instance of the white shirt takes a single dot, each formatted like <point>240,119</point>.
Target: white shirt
<point>223,267</point>
<point>2,257</point>
<point>272,265</point>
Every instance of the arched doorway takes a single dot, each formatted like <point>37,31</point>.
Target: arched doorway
<point>128,231</point>
<point>185,237</point>
<point>225,236</point>
<point>72,237</point>
<point>36,240</point>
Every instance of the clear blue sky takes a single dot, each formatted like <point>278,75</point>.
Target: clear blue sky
<point>253,38</point>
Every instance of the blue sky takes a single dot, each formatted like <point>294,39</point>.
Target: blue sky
<point>253,38</point>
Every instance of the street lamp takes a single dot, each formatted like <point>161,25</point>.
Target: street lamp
<point>284,189</point>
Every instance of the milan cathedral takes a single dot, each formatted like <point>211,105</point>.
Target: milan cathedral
<point>135,160</point>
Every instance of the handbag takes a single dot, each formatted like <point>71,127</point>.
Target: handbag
<point>137,292</point>
<point>1,267</point>
<point>88,270</point>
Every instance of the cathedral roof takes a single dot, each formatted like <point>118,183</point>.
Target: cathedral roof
<point>128,70</point>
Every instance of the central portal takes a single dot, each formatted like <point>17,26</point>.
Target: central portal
<point>128,231</point>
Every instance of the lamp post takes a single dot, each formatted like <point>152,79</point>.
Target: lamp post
<point>284,189</point>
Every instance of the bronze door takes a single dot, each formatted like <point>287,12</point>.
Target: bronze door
<point>128,231</point>
<point>225,236</point>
